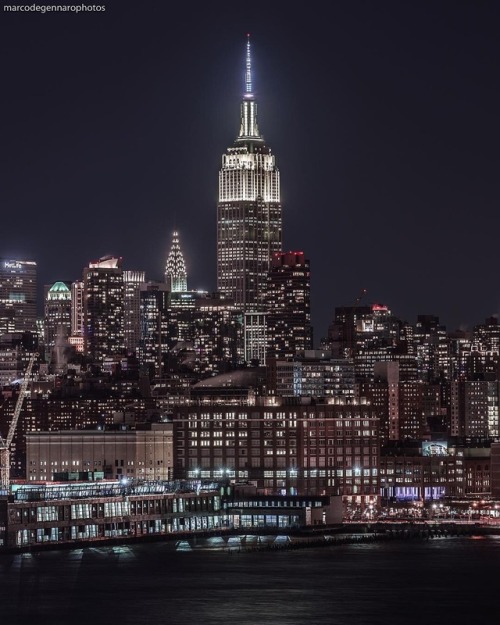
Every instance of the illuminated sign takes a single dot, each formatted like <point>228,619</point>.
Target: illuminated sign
<point>11,264</point>
<point>435,448</point>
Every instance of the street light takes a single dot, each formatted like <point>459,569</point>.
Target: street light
<point>471,508</point>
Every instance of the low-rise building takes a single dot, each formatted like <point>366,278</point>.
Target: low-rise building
<point>315,449</point>
<point>145,452</point>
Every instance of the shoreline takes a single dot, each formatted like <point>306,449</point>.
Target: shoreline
<point>296,538</point>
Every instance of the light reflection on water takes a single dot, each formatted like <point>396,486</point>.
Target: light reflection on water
<point>396,583</point>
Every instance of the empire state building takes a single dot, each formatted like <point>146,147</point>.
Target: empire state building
<point>249,215</point>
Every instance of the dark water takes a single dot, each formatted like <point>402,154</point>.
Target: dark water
<point>443,581</point>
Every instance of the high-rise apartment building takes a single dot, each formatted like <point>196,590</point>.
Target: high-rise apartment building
<point>289,330</point>
<point>17,296</point>
<point>208,326</point>
<point>103,308</point>
<point>249,216</point>
<point>77,308</point>
<point>153,343</point>
<point>77,316</point>
<point>474,409</point>
<point>132,281</point>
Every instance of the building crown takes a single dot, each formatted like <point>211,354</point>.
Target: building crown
<point>249,129</point>
<point>175,269</point>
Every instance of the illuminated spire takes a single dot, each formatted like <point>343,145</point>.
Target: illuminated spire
<point>248,73</point>
<point>175,269</point>
<point>249,130</point>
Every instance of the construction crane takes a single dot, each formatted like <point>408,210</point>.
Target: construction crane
<point>358,299</point>
<point>6,442</point>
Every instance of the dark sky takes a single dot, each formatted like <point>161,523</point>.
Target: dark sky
<point>383,117</point>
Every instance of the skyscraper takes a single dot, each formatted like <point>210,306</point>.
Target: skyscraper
<point>17,296</point>
<point>57,318</point>
<point>249,216</point>
<point>132,282</point>
<point>175,269</point>
<point>289,330</point>
<point>153,305</point>
<point>103,308</point>
<point>76,338</point>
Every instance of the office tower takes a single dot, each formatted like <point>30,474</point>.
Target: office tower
<point>255,338</point>
<point>482,352</point>
<point>288,296</point>
<point>175,269</point>
<point>342,333</point>
<point>132,281</point>
<point>57,319</point>
<point>17,296</point>
<point>182,317</point>
<point>368,334</point>
<point>103,308</point>
<point>432,349</point>
<point>210,327</point>
<point>249,216</point>
<point>218,335</point>
<point>77,316</point>
<point>475,408</point>
<point>77,308</point>
<point>312,374</point>
<point>153,341</point>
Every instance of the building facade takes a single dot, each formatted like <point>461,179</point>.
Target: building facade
<point>18,283</point>
<point>289,330</point>
<point>153,339</point>
<point>249,215</point>
<point>132,283</point>
<point>175,268</point>
<point>104,308</point>
<point>317,449</point>
<point>57,320</point>
<point>141,453</point>
<point>314,374</point>
<point>55,514</point>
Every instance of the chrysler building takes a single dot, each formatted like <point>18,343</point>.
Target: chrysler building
<point>175,269</point>
<point>249,216</point>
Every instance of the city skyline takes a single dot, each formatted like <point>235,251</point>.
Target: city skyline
<point>384,132</point>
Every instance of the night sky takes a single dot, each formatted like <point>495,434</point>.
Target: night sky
<point>383,117</point>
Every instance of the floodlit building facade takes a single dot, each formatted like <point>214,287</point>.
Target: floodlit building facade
<point>140,453</point>
<point>175,269</point>
<point>249,215</point>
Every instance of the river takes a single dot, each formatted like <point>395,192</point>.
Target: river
<point>401,582</point>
